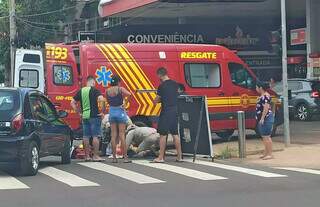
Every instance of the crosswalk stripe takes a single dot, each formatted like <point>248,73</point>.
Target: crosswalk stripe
<point>180,170</point>
<point>67,178</point>
<point>123,173</point>
<point>8,182</point>
<point>302,170</point>
<point>239,169</point>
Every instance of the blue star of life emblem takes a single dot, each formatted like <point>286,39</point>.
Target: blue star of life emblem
<point>104,76</point>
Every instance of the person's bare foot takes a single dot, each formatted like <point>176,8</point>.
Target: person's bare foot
<point>157,160</point>
<point>268,157</point>
<point>262,156</point>
<point>98,159</point>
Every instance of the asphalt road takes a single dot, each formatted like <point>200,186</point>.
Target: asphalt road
<point>176,184</point>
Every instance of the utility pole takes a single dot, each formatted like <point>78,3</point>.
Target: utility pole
<point>13,32</point>
<point>285,74</point>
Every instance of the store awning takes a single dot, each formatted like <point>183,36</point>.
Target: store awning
<point>111,7</point>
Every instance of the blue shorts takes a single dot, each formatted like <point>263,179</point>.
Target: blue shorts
<point>91,127</point>
<point>265,129</point>
<point>118,115</point>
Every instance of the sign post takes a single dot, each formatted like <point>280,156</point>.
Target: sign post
<point>285,74</point>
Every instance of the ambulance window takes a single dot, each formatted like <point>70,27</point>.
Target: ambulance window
<point>240,76</point>
<point>31,58</point>
<point>29,78</point>
<point>202,75</point>
<point>62,75</point>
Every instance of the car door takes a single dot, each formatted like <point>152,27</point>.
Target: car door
<point>243,95</point>
<point>38,113</point>
<point>54,127</point>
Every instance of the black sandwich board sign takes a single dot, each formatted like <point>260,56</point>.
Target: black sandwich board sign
<point>194,126</point>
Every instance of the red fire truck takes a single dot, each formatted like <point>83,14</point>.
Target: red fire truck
<point>210,70</point>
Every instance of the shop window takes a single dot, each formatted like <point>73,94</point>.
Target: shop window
<point>202,75</point>
<point>62,75</point>
<point>240,76</point>
<point>29,78</point>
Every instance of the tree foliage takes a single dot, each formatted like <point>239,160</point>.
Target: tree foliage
<point>38,21</point>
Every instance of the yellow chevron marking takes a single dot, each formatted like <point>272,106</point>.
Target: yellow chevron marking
<point>146,82</point>
<point>121,76</point>
<point>136,77</point>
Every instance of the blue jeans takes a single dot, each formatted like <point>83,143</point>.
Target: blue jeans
<point>91,127</point>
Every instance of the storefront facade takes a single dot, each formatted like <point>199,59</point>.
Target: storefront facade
<point>256,38</point>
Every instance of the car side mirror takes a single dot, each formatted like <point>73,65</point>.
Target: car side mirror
<point>62,114</point>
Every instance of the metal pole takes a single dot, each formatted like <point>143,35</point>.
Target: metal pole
<point>242,134</point>
<point>285,74</point>
<point>13,31</point>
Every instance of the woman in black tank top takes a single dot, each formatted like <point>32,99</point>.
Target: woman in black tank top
<point>118,117</point>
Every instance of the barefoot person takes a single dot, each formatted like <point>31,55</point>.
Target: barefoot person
<point>118,117</point>
<point>167,95</point>
<point>265,119</point>
<point>89,97</point>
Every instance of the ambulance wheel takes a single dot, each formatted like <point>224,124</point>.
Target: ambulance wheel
<point>225,135</point>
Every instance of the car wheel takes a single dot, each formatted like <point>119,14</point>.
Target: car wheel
<point>66,153</point>
<point>225,135</point>
<point>29,165</point>
<point>303,113</point>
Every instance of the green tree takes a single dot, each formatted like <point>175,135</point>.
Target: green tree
<point>38,21</point>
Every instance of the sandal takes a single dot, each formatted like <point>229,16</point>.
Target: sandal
<point>267,157</point>
<point>157,161</point>
<point>262,156</point>
<point>180,161</point>
<point>114,160</point>
<point>126,160</point>
<point>99,159</point>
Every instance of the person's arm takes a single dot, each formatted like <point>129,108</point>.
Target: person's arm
<point>125,92</point>
<point>74,106</point>
<point>266,107</point>
<point>129,138</point>
<point>74,101</point>
<point>157,99</point>
<point>102,101</point>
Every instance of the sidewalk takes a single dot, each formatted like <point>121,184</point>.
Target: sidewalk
<point>297,155</point>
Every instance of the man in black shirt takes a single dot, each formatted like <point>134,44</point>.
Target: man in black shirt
<point>89,97</point>
<point>167,95</point>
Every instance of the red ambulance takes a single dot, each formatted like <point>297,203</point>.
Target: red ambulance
<point>210,70</point>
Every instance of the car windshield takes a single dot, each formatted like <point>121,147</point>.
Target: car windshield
<point>9,104</point>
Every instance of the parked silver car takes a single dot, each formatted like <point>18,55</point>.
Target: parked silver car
<point>304,97</point>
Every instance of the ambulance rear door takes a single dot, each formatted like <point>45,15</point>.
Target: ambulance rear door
<point>29,69</point>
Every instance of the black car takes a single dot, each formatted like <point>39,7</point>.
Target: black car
<point>31,128</point>
<point>304,100</point>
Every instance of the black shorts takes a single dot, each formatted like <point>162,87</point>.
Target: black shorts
<point>168,122</point>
